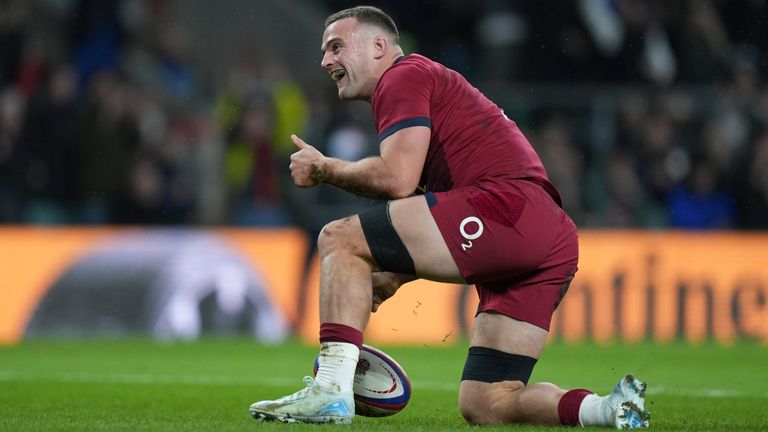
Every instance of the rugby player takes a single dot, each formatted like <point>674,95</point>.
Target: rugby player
<point>467,201</point>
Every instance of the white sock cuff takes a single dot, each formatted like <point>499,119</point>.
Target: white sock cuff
<point>337,363</point>
<point>344,350</point>
<point>591,411</point>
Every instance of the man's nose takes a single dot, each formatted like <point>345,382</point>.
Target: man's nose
<point>327,61</point>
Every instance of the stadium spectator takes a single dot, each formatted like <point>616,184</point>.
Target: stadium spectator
<point>106,142</point>
<point>48,145</point>
<point>701,40</point>
<point>12,107</point>
<point>620,199</point>
<point>565,167</point>
<point>161,187</point>
<point>752,187</point>
<point>14,22</point>
<point>254,110</point>
<point>171,74</point>
<point>486,214</point>
<point>97,38</point>
<point>700,202</point>
<point>252,164</point>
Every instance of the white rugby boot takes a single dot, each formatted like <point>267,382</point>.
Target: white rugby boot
<point>627,401</point>
<point>308,405</point>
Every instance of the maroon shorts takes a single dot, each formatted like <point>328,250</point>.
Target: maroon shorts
<point>513,242</point>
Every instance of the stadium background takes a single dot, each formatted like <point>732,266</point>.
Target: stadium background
<point>158,269</point>
<point>142,141</point>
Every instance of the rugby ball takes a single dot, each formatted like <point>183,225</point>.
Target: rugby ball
<point>381,386</point>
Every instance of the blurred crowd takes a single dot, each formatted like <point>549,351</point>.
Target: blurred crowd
<point>646,113</point>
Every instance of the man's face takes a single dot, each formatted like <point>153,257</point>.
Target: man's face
<point>348,57</point>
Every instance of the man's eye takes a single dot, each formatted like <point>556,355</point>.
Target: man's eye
<point>336,48</point>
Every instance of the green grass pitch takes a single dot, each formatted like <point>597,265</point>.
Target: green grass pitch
<point>139,385</point>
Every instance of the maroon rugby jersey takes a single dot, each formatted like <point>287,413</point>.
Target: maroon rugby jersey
<point>472,141</point>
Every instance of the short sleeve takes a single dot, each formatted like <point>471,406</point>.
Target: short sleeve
<point>402,98</point>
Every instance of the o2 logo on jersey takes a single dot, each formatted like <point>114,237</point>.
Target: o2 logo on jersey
<point>471,228</point>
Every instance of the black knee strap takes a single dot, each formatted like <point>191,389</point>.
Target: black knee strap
<point>490,365</point>
<point>385,244</point>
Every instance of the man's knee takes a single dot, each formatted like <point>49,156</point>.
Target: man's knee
<point>328,237</point>
<point>492,384</point>
<point>343,235</point>
<point>490,403</point>
<point>473,411</point>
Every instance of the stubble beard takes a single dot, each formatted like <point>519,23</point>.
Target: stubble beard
<point>349,93</point>
<point>344,92</point>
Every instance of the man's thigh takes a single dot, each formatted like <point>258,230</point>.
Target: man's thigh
<point>502,333</point>
<point>497,232</point>
<point>417,229</point>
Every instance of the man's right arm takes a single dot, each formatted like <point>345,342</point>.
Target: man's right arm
<point>395,173</point>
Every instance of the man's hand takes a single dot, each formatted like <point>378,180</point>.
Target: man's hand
<point>307,167</point>
<point>385,285</point>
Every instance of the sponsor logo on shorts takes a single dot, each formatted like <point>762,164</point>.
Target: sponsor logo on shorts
<point>471,228</point>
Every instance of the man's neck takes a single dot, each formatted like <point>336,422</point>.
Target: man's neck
<point>396,56</point>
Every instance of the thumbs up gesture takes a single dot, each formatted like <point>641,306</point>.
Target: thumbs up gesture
<point>307,168</point>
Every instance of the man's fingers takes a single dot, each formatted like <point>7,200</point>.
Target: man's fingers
<point>375,303</point>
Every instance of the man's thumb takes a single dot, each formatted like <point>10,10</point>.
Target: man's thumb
<point>298,141</point>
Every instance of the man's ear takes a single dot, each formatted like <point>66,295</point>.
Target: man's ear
<point>381,46</point>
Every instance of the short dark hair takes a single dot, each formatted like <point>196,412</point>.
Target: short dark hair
<point>367,15</point>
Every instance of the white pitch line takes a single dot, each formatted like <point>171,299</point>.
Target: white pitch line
<point>149,379</point>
